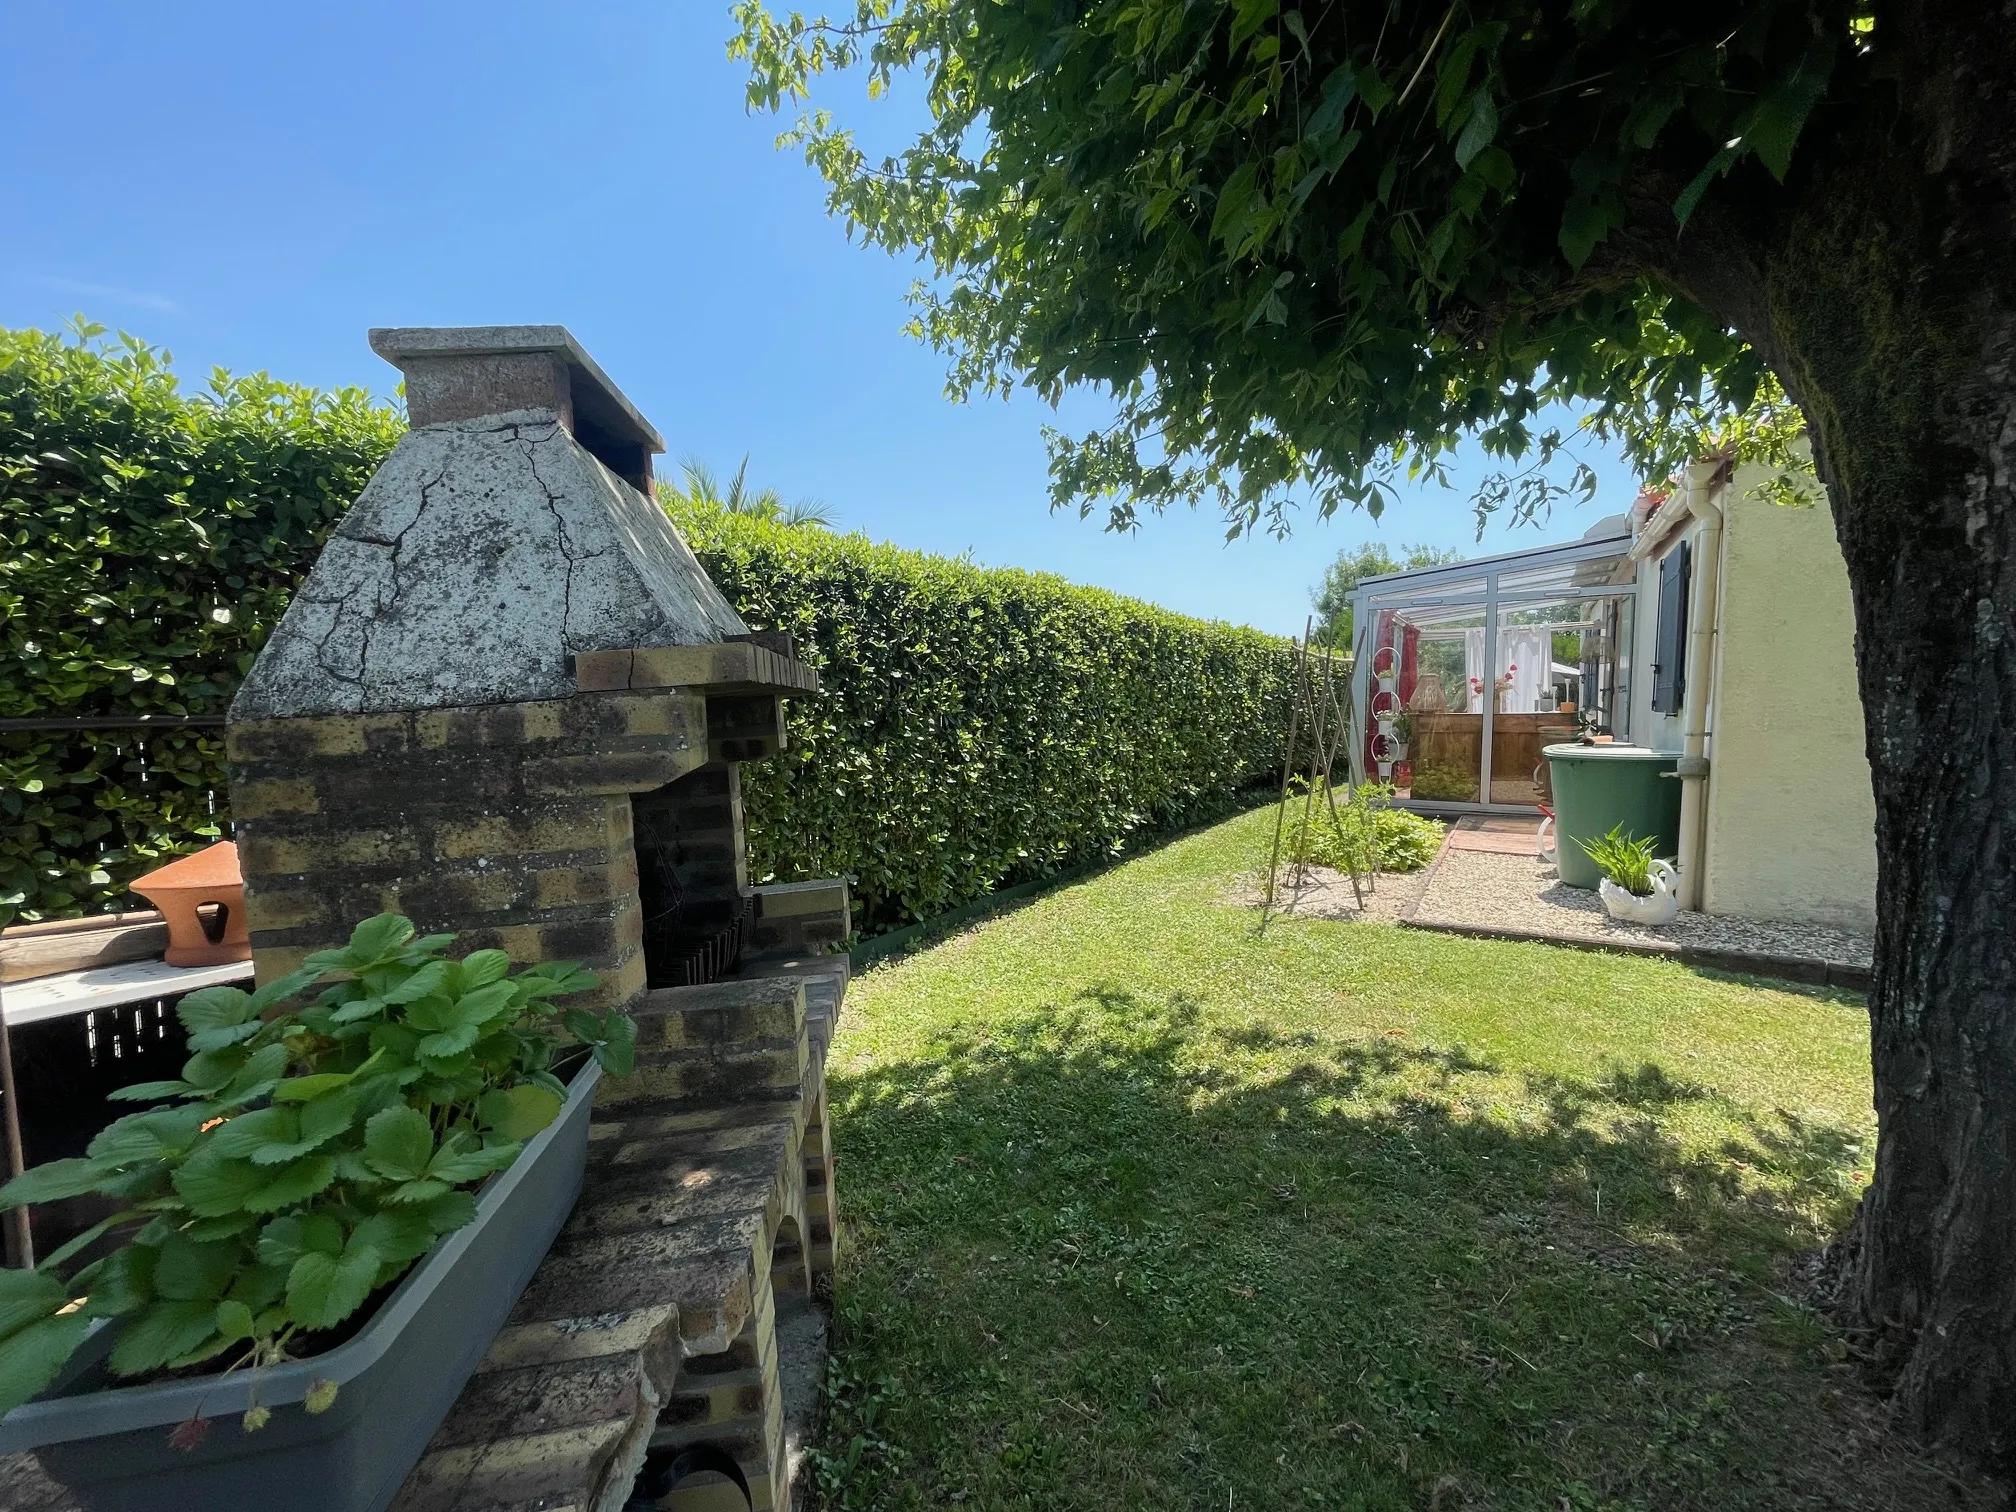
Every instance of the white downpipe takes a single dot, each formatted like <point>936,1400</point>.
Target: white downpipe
<point>1700,673</point>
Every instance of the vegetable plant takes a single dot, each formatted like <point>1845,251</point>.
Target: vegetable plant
<point>1624,860</point>
<point>1366,834</point>
<point>305,1159</point>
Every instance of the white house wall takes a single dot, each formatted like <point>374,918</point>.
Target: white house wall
<point>1791,819</point>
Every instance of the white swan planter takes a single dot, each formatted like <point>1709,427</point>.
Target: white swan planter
<point>1660,906</point>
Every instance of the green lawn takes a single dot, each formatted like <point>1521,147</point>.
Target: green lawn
<point>1142,1209</point>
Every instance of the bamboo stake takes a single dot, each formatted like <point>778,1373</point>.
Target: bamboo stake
<point>1342,728</point>
<point>1318,747</point>
<point>1287,772</point>
<point>20,1238</point>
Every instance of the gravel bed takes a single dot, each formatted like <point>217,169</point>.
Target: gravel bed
<point>1317,892</point>
<point>1519,892</point>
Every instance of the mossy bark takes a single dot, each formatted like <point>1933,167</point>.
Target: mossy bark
<point>1881,285</point>
<point>1892,299</point>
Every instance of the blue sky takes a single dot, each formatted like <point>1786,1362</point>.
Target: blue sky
<point>254,185</point>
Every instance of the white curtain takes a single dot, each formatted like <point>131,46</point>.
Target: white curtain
<point>1525,656</point>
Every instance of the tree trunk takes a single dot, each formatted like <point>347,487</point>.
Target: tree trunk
<point>1892,301</point>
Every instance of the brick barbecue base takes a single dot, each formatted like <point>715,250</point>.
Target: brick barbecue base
<point>651,1323</point>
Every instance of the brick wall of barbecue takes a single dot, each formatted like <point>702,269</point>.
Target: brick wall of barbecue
<point>509,825</point>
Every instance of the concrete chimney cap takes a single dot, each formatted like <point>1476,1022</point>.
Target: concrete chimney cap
<point>595,397</point>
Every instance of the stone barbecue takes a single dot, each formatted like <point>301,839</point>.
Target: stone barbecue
<point>509,703</point>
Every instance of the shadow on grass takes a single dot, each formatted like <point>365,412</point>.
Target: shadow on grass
<point>1114,1254</point>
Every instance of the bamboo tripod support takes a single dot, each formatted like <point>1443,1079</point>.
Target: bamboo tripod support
<point>1318,716</point>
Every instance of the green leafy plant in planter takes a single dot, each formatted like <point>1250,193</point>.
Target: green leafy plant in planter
<point>1626,861</point>
<point>1366,833</point>
<point>306,1160</point>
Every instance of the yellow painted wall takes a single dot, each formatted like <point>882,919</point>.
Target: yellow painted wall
<point>1791,823</point>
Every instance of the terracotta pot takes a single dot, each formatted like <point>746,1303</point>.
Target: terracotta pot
<point>203,899</point>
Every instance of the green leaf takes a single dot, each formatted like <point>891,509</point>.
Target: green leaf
<point>398,1235</point>
<point>244,1137</point>
<point>449,1043</point>
<point>161,1331</point>
<point>518,1112</point>
<point>1781,114</point>
<point>300,1089</point>
<point>1690,197</point>
<point>234,1321</point>
<point>147,1136</point>
<point>377,939</point>
<point>215,1008</point>
<point>1249,16</point>
<point>426,981</point>
<point>153,1091</point>
<point>326,1117</point>
<point>1234,200</point>
<point>398,1143</point>
<point>323,1290</point>
<point>485,1003</point>
<point>448,1211</point>
<point>1339,90</point>
<point>27,1296</point>
<point>121,1283</point>
<point>424,1190</point>
<point>258,1076</point>
<point>32,1357</point>
<point>1454,75</point>
<point>259,1286</point>
<point>54,1181</point>
<point>185,1271</point>
<point>482,967</point>
<point>358,1009</point>
<point>287,1239</point>
<point>295,1183</point>
<point>461,1159</point>
<point>611,1036</point>
<point>214,1185</point>
<point>1374,91</point>
<point>1478,130</point>
<point>281,988</point>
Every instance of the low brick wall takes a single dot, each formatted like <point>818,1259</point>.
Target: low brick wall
<point>509,825</point>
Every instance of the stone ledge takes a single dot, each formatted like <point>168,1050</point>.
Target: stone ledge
<point>718,667</point>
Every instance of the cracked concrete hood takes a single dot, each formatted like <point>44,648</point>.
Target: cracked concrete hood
<point>511,528</point>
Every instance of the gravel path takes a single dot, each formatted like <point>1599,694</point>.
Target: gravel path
<point>1320,893</point>
<point>1518,892</point>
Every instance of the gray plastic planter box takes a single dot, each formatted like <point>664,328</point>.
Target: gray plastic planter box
<point>397,1377</point>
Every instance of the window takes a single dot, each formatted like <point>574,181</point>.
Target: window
<point>1669,650</point>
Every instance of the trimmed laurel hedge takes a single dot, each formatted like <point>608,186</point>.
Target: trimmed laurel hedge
<point>979,727</point>
<point>149,541</point>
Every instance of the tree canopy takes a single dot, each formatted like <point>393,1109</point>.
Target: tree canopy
<point>1309,248</point>
<point>1332,598</point>
<point>1310,245</point>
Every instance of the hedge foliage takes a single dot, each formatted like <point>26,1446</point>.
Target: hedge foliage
<point>979,727</point>
<point>149,540</point>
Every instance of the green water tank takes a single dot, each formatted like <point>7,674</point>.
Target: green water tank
<point>1597,787</point>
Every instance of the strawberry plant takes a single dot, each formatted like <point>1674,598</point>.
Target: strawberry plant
<point>305,1159</point>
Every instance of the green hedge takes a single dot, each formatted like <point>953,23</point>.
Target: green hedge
<point>982,727</point>
<point>149,541</point>
<point>979,728</point>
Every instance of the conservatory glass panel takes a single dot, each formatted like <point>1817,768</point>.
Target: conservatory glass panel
<point>1539,663</point>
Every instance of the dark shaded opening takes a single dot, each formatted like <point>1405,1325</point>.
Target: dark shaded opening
<point>696,915</point>
<point>214,918</point>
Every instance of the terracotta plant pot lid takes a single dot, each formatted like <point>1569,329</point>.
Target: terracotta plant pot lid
<point>213,866</point>
<point>184,887</point>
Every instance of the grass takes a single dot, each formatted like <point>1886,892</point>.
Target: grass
<point>1144,1210</point>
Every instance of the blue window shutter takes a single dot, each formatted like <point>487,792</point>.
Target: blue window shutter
<point>1669,654</point>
